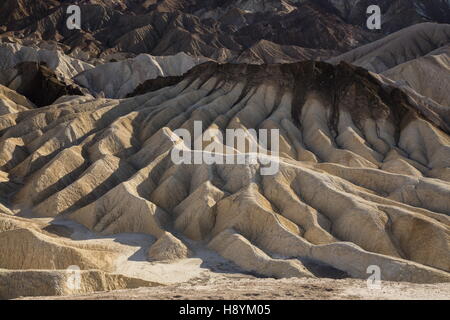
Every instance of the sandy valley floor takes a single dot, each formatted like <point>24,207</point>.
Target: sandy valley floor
<point>243,287</point>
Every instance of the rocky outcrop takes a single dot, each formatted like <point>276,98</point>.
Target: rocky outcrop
<point>27,246</point>
<point>238,249</point>
<point>167,248</point>
<point>29,283</point>
<point>12,102</point>
<point>154,84</point>
<point>40,259</point>
<point>38,83</point>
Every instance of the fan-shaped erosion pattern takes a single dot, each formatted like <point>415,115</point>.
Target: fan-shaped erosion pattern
<point>363,173</point>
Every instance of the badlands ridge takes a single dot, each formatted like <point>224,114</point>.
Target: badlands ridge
<point>91,199</point>
<point>360,160</point>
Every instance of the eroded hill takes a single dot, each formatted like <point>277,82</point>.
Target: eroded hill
<point>359,162</point>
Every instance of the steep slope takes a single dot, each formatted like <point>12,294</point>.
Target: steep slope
<point>397,48</point>
<point>11,54</point>
<point>351,11</point>
<point>38,83</point>
<point>126,75</point>
<point>396,14</point>
<point>12,102</point>
<point>428,75</point>
<point>268,52</point>
<point>309,26</point>
<point>14,12</point>
<point>36,261</point>
<point>118,79</point>
<point>17,283</point>
<point>352,187</point>
<point>220,30</point>
<point>27,246</point>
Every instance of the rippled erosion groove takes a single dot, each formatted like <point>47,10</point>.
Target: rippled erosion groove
<point>364,174</point>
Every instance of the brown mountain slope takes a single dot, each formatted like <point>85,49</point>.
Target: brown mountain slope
<point>218,31</point>
<point>396,14</point>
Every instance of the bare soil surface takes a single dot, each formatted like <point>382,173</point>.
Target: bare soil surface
<point>245,288</point>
